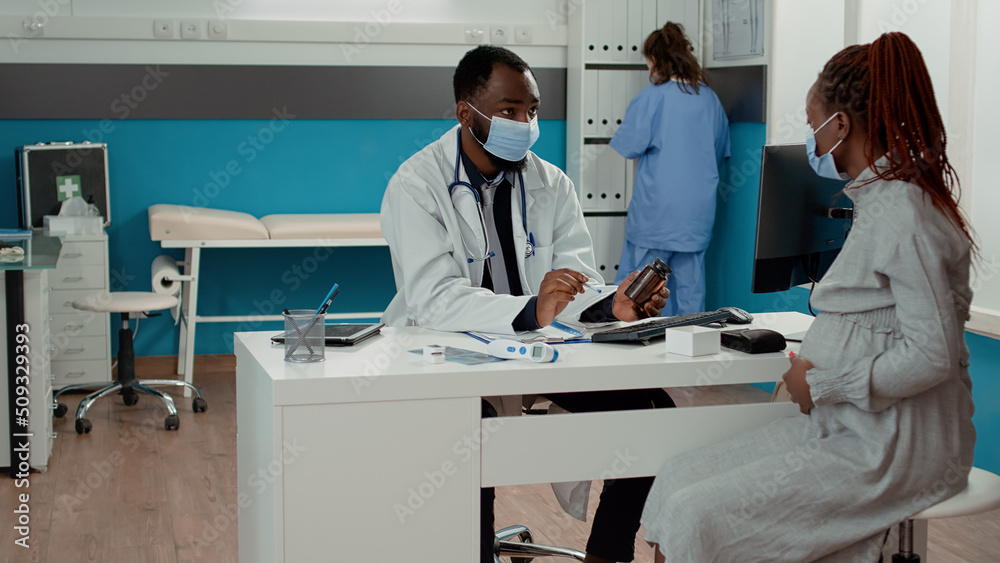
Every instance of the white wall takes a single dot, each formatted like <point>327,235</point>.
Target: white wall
<point>322,32</point>
<point>437,11</point>
<point>927,22</point>
<point>985,142</point>
<point>806,34</point>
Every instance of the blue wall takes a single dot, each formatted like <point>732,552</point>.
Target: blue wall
<point>729,260</point>
<point>985,363</point>
<point>311,166</point>
<point>259,168</point>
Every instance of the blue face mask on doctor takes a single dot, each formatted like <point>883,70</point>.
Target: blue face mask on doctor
<point>824,165</point>
<point>508,139</point>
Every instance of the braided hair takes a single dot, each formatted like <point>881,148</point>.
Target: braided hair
<point>886,89</point>
<point>672,56</point>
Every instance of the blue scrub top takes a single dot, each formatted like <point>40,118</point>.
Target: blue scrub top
<point>680,139</point>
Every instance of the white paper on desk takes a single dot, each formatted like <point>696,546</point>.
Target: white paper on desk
<point>555,332</point>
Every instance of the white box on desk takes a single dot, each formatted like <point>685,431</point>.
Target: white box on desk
<point>692,340</point>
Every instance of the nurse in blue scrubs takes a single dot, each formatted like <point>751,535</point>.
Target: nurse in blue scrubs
<point>678,130</point>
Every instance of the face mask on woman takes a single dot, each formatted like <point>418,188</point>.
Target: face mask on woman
<point>824,165</point>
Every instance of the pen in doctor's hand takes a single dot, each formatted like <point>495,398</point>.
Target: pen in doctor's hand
<point>328,299</point>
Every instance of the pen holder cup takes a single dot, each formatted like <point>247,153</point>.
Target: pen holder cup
<point>304,335</point>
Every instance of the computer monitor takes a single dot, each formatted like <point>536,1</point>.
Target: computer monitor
<point>802,221</point>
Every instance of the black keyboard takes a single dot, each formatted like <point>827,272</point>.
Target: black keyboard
<point>653,328</point>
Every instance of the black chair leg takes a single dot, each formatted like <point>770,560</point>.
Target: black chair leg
<point>905,554</point>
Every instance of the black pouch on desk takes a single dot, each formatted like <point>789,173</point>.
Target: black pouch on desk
<point>753,340</point>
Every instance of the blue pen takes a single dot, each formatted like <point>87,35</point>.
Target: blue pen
<point>328,299</point>
<point>322,309</point>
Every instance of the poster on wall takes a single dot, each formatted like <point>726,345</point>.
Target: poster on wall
<point>737,29</point>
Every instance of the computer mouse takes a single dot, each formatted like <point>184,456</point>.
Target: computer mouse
<point>737,316</point>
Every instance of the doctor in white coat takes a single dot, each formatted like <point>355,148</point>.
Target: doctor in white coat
<point>486,236</point>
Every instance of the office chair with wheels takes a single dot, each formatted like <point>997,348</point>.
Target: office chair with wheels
<point>513,543</point>
<point>125,303</point>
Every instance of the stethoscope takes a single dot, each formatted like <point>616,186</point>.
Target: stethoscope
<point>529,245</point>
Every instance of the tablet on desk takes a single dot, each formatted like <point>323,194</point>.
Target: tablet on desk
<point>344,334</point>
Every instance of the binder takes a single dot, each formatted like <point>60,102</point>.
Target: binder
<point>619,31</point>
<point>610,192</point>
<point>588,176</point>
<point>591,31</point>
<point>596,227</point>
<point>636,30</point>
<point>606,29</point>
<point>620,98</point>
<point>608,235</point>
<point>590,96</point>
<point>614,241</point>
<point>605,100</point>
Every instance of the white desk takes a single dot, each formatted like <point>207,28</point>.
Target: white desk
<point>379,456</point>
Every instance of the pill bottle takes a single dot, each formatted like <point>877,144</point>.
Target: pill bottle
<point>651,279</point>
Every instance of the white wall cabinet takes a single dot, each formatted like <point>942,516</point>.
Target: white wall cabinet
<point>67,346</point>
<point>36,313</point>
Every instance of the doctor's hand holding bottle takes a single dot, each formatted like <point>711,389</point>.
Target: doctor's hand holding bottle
<point>559,287</point>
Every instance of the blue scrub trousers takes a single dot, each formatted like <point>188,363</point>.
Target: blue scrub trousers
<point>686,283</point>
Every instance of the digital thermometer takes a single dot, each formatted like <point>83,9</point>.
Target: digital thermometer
<point>512,349</point>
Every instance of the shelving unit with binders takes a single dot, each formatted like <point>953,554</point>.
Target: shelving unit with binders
<point>605,70</point>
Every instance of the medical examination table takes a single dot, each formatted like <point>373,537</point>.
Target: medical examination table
<point>195,228</point>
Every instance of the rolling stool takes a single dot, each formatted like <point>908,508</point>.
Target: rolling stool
<point>515,542</point>
<point>125,302</point>
<point>981,494</point>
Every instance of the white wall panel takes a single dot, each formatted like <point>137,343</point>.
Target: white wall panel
<point>805,35</point>
<point>927,22</point>
<point>438,11</point>
<point>982,184</point>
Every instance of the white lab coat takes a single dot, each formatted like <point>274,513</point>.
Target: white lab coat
<point>436,285</point>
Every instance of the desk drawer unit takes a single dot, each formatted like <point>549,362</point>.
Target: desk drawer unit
<point>68,372</point>
<point>80,344</point>
<point>81,323</point>
<point>61,300</point>
<point>79,348</point>
<point>78,277</point>
<point>81,253</point>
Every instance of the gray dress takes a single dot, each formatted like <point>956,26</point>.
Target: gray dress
<point>891,432</point>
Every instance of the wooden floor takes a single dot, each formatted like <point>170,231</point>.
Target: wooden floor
<point>130,492</point>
